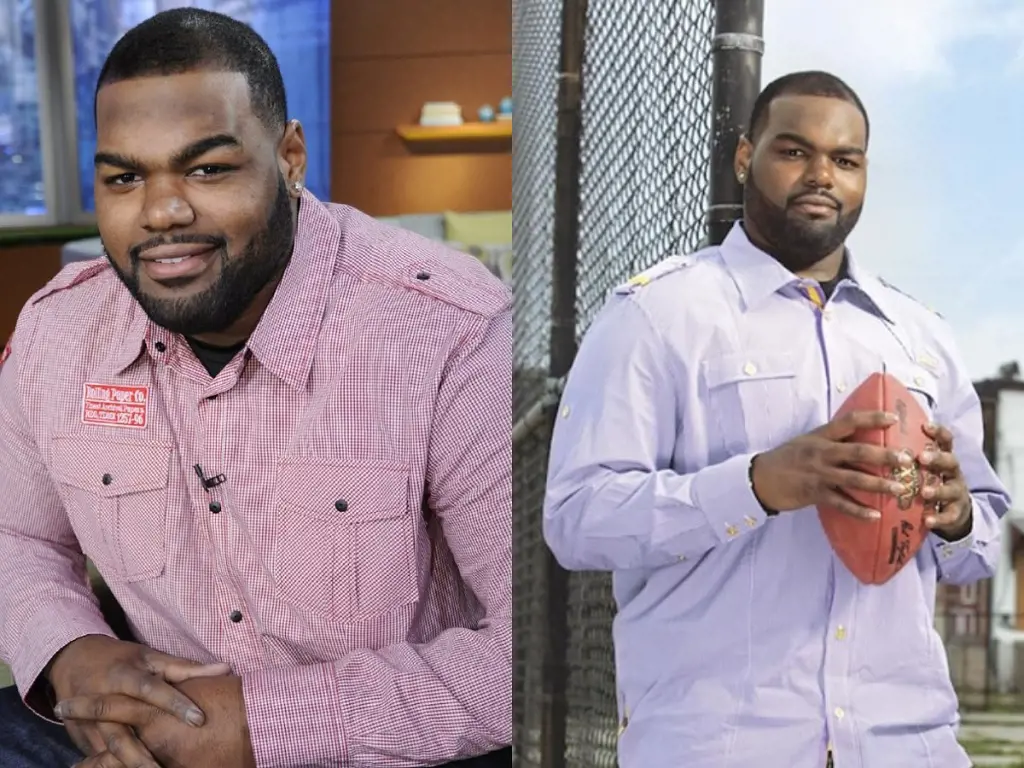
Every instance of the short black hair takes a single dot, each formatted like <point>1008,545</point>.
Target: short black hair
<point>809,83</point>
<point>191,39</point>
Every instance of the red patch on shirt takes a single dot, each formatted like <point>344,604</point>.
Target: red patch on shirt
<point>113,405</point>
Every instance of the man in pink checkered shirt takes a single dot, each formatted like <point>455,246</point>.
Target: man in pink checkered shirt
<point>281,432</point>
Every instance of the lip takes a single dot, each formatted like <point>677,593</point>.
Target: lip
<point>817,206</point>
<point>195,258</point>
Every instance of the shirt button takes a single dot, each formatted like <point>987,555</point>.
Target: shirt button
<point>840,387</point>
<point>731,530</point>
<point>341,505</point>
<point>919,381</point>
<point>215,507</point>
<point>826,313</point>
<point>235,616</point>
<point>840,632</point>
<point>750,369</point>
<point>106,479</point>
<point>751,522</point>
<point>565,412</point>
<point>160,346</point>
<point>839,713</point>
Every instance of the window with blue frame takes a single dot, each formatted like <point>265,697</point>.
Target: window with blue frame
<point>298,32</point>
<point>22,186</point>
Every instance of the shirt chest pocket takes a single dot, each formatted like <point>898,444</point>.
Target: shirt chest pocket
<point>115,495</point>
<point>921,383</point>
<point>345,539</point>
<point>751,401</point>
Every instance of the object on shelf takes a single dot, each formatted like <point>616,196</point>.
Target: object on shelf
<point>486,113</point>
<point>505,109</point>
<point>441,113</point>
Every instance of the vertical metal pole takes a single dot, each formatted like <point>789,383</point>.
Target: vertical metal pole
<point>563,350</point>
<point>990,436</point>
<point>736,52</point>
<point>991,447</point>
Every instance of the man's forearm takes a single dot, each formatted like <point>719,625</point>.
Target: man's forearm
<point>58,610</point>
<point>972,556</point>
<point>431,703</point>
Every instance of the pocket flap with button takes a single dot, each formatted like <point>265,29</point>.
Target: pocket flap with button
<point>345,491</point>
<point>110,469</point>
<point>917,379</point>
<point>750,366</point>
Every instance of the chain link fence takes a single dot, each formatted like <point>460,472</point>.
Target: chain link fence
<point>644,153</point>
<point>536,26</point>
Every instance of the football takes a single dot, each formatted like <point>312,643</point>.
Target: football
<point>875,550</point>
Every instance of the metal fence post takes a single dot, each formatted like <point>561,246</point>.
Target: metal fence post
<point>736,80</point>
<point>564,269</point>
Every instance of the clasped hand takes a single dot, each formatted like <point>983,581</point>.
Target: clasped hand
<point>818,467</point>
<point>128,706</point>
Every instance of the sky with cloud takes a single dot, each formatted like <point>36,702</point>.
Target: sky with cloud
<point>943,82</point>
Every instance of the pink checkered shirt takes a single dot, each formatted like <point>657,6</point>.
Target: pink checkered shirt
<point>354,563</point>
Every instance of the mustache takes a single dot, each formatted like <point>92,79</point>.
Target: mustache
<point>815,197</point>
<point>137,250</point>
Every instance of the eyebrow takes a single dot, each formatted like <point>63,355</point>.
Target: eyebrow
<point>796,138</point>
<point>181,158</point>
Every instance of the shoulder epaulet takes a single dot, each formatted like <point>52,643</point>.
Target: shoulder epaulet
<point>659,270</point>
<point>72,275</point>
<point>461,281</point>
<point>901,292</point>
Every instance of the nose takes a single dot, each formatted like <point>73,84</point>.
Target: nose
<point>165,209</point>
<point>818,174</point>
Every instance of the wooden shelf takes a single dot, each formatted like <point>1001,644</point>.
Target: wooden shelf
<point>421,134</point>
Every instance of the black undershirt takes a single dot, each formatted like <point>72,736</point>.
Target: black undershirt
<point>214,358</point>
<point>829,287</point>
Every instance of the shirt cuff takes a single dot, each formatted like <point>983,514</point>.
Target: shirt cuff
<point>294,716</point>
<point>724,494</point>
<point>949,553</point>
<point>57,631</point>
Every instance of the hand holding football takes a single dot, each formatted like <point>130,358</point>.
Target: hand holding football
<point>875,550</point>
<point>862,473</point>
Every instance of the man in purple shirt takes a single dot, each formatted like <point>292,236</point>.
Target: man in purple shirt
<point>696,436</point>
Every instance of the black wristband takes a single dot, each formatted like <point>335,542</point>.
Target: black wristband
<point>769,512</point>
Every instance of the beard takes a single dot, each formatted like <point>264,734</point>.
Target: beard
<point>798,244</point>
<point>242,276</point>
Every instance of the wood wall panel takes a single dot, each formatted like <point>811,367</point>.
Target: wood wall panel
<point>408,82</point>
<point>386,180</point>
<point>24,269</point>
<point>401,28</point>
<point>388,58</point>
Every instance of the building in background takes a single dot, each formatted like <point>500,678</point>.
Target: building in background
<point>982,625</point>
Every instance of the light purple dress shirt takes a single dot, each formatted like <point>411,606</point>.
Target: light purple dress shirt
<point>741,641</point>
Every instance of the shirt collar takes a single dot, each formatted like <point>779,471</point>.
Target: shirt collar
<point>135,338</point>
<point>758,275</point>
<point>286,337</point>
<point>874,290</point>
